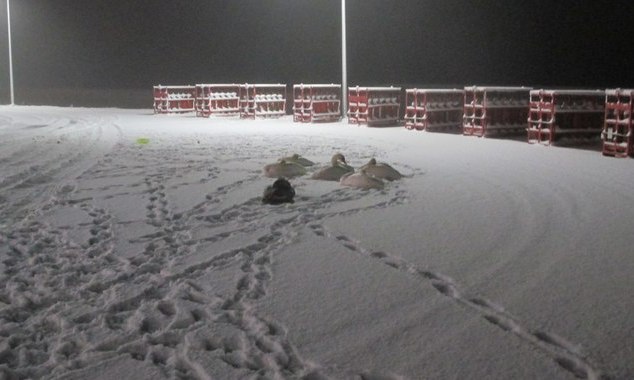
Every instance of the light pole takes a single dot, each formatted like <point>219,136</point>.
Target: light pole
<point>10,56</point>
<point>344,70</point>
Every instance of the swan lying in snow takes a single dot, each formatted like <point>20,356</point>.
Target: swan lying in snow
<point>361,180</point>
<point>337,168</point>
<point>381,170</point>
<point>297,159</point>
<point>283,168</point>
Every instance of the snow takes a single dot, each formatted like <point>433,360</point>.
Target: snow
<point>491,259</point>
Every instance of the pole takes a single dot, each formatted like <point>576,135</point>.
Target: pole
<point>344,71</point>
<point>10,55</point>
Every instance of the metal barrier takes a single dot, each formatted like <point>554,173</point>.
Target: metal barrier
<point>316,102</point>
<point>618,130</point>
<point>434,109</point>
<point>262,100</point>
<point>495,110</point>
<point>558,114</point>
<point>217,99</point>
<point>174,99</point>
<point>374,106</point>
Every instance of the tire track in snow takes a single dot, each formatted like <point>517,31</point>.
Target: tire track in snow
<point>88,142</point>
<point>565,354</point>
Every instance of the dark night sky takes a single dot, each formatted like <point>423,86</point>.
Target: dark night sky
<point>134,44</point>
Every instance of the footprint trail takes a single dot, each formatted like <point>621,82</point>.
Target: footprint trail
<point>565,354</point>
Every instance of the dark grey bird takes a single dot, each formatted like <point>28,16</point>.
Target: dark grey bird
<point>280,192</point>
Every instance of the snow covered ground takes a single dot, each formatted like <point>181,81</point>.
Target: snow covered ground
<point>492,259</point>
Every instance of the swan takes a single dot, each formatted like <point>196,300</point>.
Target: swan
<point>361,180</point>
<point>381,170</point>
<point>297,159</point>
<point>283,168</point>
<point>337,168</point>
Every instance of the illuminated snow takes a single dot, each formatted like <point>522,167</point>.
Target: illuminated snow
<point>491,259</point>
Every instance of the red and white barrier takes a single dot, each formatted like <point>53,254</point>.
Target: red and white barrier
<point>618,126</point>
<point>217,99</point>
<point>434,109</point>
<point>558,114</point>
<point>496,111</point>
<point>262,100</point>
<point>374,105</point>
<point>316,102</point>
<point>174,99</point>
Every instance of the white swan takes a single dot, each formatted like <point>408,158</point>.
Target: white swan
<point>337,168</point>
<point>284,169</point>
<point>297,159</point>
<point>361,180</point>
<point>381,170</point>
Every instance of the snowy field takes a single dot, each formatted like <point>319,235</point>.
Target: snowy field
<point>492,259</point>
